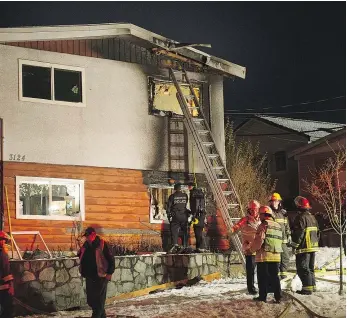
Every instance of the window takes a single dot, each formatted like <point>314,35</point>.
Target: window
<point>51,83</point>
<point>49,199</point>
<point>159,195</point>
<point>280,161</point>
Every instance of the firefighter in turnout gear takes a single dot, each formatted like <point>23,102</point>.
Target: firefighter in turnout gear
<point>280,216</point>
<point>197,208</point>
<point>6,280</point>
<point>248,226</point>
<point>178,216</point>
<point>305,243</point>
<point>268,247</point>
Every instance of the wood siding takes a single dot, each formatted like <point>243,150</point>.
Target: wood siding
<point>111,48</point>
<point>115,199</point>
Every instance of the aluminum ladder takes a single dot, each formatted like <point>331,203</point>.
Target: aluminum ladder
<point>216,173</point>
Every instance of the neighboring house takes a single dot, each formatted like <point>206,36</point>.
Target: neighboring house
<point>311,157</point>
<point>87,127</point>
<point>278,136</point>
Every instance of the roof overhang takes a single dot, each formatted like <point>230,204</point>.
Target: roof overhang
<point>136,34</point>
<point>301,151</point>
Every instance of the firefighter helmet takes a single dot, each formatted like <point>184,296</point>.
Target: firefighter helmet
<point>4,236</point>
<point>264,209</point>
<point>302,203</point>
<point>275,197</point>
<point>253,205</point>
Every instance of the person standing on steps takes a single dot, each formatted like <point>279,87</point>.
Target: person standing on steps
<point>97,266</point>
<point>248,226</point>
<point>268,247</point>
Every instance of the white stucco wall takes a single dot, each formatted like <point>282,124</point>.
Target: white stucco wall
<point>113,130</point>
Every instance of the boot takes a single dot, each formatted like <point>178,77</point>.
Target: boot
<point>304,292</point>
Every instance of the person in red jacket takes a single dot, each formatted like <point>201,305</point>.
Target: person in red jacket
<point>248,226</point>
<point>6,280</point>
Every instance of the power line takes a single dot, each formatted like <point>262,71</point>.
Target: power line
<point>288,133</point>
<point>292,105</point>
<point>286,113</point>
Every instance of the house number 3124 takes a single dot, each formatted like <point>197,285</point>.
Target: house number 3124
<point>16,157</point>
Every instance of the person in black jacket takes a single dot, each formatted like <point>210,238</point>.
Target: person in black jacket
<point>6,280</point>
<point>305,238</point>
<point>177,214</point>
<point>96,266</point>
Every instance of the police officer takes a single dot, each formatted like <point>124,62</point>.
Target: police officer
<point>248,226</point>
<point>178,215</point>
<point>280,216</point>
<point>6,280</point>
<point>305,244</point>
<point>268,247</point>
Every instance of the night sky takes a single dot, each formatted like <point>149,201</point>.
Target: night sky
<point>293,51</point>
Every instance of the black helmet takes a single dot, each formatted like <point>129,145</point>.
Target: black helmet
<point>177,186</point>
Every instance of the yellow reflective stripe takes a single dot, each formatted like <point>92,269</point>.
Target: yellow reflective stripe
<point>311,228</point>
<point>280,220</point>
<point>308,238</point>
<point>308,288</point>
<point>307,250</point>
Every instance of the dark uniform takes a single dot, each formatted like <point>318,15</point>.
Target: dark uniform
<point>6,278</point>
<point>197,207</point>
<point>178,216</point>
<point>281,218</point>
<point>305,242</point>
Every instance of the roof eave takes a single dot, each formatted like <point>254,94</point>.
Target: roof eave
<point>95,31</point>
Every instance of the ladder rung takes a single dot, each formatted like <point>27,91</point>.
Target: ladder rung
<point>208,143</point>
<point>233,205</point>
<point>222,180</point>
<point>227,192</point>
<point>198,120</point>
<point>193,107</point>
<point>203,132</point>
<point>213,156</point>
<point>218,167</point>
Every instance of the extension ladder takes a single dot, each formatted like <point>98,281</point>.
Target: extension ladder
<point>215,169</point>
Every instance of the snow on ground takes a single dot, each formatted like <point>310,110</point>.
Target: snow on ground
<point>228,298</point>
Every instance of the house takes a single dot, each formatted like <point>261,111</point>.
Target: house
<point>87,128</point>
<point>311,157</point>
<point>277,137</point>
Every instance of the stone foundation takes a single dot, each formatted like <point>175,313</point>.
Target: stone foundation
<point>52,285</point>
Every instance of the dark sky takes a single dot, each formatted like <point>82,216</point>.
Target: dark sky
<point>293,51</point>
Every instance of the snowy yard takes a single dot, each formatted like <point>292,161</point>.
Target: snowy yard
<point>228,298</point>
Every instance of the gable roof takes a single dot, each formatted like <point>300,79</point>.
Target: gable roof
<point>314,130</point>
<point>330,137</point>
<point>124,30</point>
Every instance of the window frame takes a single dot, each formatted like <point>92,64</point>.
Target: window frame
<point>276,155</point>
<point>79,216</point>
<point>52,67</point>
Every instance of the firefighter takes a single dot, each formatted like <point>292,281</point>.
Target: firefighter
<point>280,216</point>
<point>197,208</point>
<point>305,243</point>
<point>248,226</point>
<point>6,280</point>
<point>268,247</point>
<point>178,216</point>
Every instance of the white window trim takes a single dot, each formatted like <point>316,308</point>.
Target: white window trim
<point>51,101</point>
<point>81,216</point>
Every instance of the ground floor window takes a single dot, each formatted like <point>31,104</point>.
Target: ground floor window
<point>49,198</point>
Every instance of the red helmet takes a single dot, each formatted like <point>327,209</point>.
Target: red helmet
<point>4,236</point>
<point>264,209</point>
<point>302,203</point>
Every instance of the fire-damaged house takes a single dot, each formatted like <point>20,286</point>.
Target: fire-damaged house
<point>93,129</point>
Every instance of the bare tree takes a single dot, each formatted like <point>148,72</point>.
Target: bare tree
<point>327,188</point>
<point>247,168</point>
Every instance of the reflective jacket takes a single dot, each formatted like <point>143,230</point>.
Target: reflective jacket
<point>305,233</point>
<point>5,274</point>
<point>248,227</point>
<point>268,242</point>
<point>282,219</point>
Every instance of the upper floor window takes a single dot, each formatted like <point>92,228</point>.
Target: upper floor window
<point>51,83</point>
<point>49,198</point>
<point>280,161</point>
